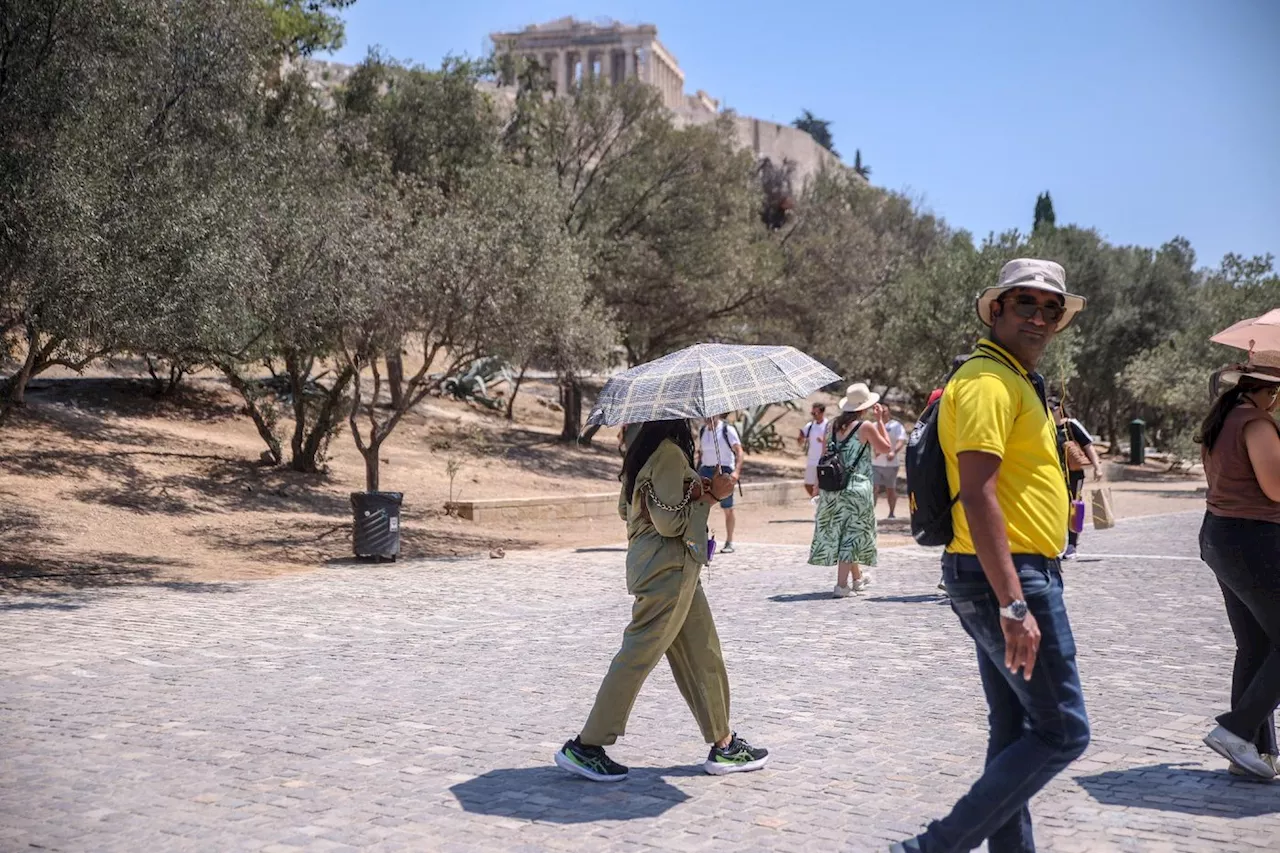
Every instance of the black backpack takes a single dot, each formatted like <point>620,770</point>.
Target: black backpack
<point>929,495</point>
<point>832,474</point>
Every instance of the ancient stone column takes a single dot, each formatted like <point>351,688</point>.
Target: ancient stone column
<point>630,63</point>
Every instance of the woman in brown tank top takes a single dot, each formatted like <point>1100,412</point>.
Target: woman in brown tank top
<point>1240,540</point>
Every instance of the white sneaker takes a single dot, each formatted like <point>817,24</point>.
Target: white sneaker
<point>1239,752</point>
<point>728,548</point>
<point>841,592</point>
<point>861,584</point>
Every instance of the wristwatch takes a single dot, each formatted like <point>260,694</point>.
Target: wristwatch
<point>1017,610</point>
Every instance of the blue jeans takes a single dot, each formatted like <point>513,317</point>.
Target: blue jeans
<point>1038,727</point>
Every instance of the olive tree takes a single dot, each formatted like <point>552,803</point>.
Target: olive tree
<point>488,269</point>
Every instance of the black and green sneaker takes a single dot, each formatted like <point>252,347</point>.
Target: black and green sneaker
<point>738,757</point>
<point>590,762</point>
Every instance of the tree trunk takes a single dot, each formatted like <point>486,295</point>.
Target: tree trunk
<point>515,389</point>
<point>307,455</point>
<point>372,465</point>
<point>13,392</point>
<point>571,402</point>
<point>275,453</point>
<point>395,378</point>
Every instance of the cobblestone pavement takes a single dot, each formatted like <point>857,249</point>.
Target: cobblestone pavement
<point>417,706</point>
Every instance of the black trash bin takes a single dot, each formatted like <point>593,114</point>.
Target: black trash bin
<point>1137,442</point>
<point>376,531</point>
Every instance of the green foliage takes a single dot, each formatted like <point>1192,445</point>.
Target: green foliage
<point>1171,378</point>
<point>819,129</point>
<point>859,167</point>
<point>303,27</point>
<point>1044,215</point>
<point>758,426</point>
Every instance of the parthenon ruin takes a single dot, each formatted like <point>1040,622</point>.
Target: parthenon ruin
<point>574,50</point>
<point>606,50</point>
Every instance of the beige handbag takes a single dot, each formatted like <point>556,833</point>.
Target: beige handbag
<point>1104,516</point>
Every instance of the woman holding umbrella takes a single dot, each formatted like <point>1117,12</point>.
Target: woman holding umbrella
<point>665,505</point>
<point>1240,540</point>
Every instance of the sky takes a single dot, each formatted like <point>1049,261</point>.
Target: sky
<point>1145,119</point>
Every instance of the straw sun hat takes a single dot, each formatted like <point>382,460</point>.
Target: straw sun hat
<point>858,397</point>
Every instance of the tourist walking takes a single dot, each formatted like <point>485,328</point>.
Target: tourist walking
<point>813,440</point>
<point>665,505</point>
<point>844,531</point>
<point>720,450</point>
<point>1001,569</point>
<point>1240,540</point>
<point>1075,448</point>
<point>885,465</point>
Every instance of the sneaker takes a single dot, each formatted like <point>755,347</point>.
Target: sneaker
<point>1070,553</point>
<point>589,762</point>
<point>841,592</point>
<point>1240,752</point>
<point>1273,760</point>
<point>861,584</point>
<point>891,517</point>
<point>738,757</point>
<point>728,548</point>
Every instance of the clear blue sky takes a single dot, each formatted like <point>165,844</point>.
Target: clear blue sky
<point>1145,119</point>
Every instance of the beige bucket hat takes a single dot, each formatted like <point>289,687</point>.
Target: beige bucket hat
<point>858,397</point>
<point>1038,275</point>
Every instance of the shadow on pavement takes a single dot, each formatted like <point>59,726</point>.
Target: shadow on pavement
<point>801,596</point>
<point>923,598</point>
<point>1184,788</point>
<point>551,795</point>
<point>603,549</point>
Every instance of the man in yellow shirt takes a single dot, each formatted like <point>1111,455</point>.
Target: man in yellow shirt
<point>1002,569</point>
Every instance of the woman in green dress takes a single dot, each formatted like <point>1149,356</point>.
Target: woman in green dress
<point>665,504</point>
<point>844,532</point>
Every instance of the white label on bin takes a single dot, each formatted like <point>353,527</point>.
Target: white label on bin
<point>395,523</point>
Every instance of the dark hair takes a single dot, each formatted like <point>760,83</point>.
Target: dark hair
<point>652,434</point>
<point>843,420</point>
<point>1228,400</point>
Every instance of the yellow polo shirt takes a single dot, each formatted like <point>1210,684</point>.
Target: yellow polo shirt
<point>992,407</point>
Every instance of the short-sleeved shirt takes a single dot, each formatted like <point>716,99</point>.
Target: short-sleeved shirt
<point>992,406</point>
<point>728,439</point>
<point>897,434</point>
<point>815,436</point>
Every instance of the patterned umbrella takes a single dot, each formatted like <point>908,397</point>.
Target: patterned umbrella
<point>708,379</point>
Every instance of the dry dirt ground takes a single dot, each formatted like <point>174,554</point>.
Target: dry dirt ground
<point>103,483</point>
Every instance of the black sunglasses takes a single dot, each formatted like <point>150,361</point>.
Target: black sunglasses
<point>1027,307</point>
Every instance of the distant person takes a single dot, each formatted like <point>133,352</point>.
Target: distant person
<point>1240,540</point>
<point>1075,447</point>
<point>812,439</point>
<point>720,450</point>
<point>1001,570</point>
<point>665,505</point>
<point>844,531</point>
<point>885,465</point>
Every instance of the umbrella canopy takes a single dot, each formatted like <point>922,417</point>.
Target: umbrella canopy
<point>1259,336</point>
<point>708,379</point>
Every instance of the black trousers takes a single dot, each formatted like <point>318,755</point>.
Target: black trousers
<point>1245,557</point>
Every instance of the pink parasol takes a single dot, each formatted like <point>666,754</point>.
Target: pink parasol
<point>1259,336</point>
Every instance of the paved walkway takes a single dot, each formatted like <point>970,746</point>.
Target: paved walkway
<point>417,706</point>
